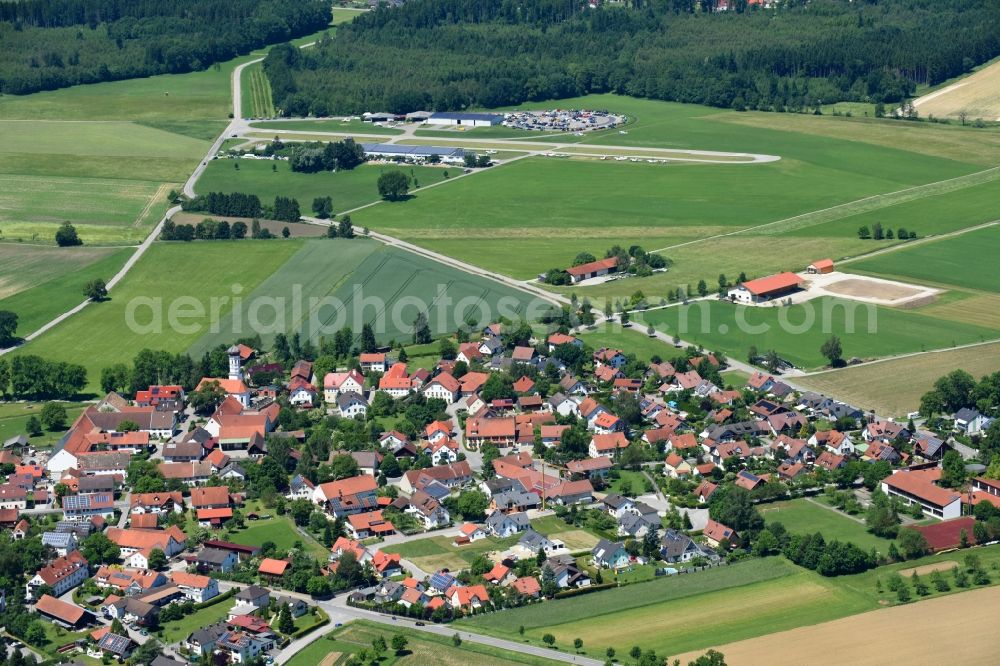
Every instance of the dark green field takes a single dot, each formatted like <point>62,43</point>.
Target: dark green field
<point>967,260</point>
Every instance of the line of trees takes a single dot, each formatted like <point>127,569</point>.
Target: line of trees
<point>332,156</point>
<point>458,54</point>
<point>51,44</point>
<point>32,377</point>
<point>877,232</point>
<point>239,204</point>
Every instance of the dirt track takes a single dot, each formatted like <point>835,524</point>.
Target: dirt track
<point>956,629</point>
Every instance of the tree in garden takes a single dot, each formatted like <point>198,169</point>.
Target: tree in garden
<point>952,469</point>
<point>157,559</point>
<point>286,624</point>
<point>96,290</point>
<point>393,185</point>
<point>368,343</point>
<point>99,549</point>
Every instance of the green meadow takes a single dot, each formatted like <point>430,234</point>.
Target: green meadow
<point>349,189</point>
<point>966,260</point>
<point>326,125</point>
<point>802,516</point>
<point>100,335</point>
<point>40,283</point>
<point>797,332</point>
<point>835,174</point>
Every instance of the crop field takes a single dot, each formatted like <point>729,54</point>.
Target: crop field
<point>329,283</point>
<point>671,615</point>
<point>422,649</point>
<point>349,189</point>
<point>894,387</point>
<point>966,260</point>
<point>39,283</point>
<point>959,636</point>
<point>803,516</point>
<point>108,177</point>
<point>977,96</point>
<point>798,331</point>
<point>101,335</point>
<point>256,90</point>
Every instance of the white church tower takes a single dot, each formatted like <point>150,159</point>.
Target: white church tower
<point>235,369</point>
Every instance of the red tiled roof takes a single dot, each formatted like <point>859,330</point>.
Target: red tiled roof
<point>920,483</point>
<point>600,264</point>
<point>68,613</point>
<point>771,283</point>
<point>273,567</point>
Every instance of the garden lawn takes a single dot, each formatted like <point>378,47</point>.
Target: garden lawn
<point>178,630</point>
<point>280,531</point>
<point>633,482</point>
<point>575,538</point>
<point>422,649</point>
<point>353,282</point>
<point>803,516</point>
<point>966,260</point>
<point>42,283</point>
<point>14,418</point>
<point>437,552</point>
<point>797,332</point>
<point>100,335</point>
<point>670,615</point>
<point>268,179</point>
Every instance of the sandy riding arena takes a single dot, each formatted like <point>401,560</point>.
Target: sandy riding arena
<point>868,289</point>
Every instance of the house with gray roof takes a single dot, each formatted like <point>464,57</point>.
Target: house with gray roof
<point>678,547</point>
<point>503,525</point>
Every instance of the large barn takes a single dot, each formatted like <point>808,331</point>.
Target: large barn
<point>765,289</point>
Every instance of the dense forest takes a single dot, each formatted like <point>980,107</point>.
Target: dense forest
<point>48,44</point>
<point>456,54</point>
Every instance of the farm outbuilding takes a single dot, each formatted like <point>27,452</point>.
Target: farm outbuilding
<point>820,267</point>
